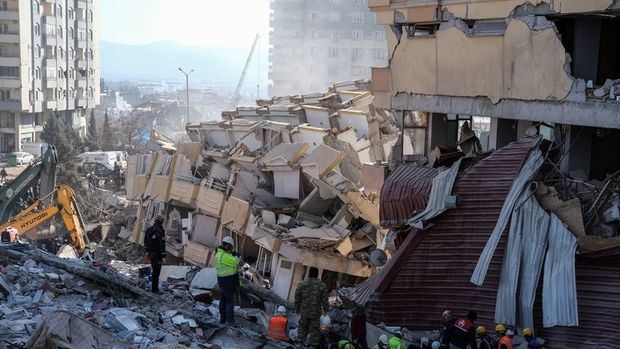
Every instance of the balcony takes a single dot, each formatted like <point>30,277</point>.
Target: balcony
<point>10,105</point>
<point>10,37</point>
<point>51,104</point>
<point>9,15</point>
<point>10,82</point>
<point>50,40</point>
<point>51,82</point>
<point>9,61</point>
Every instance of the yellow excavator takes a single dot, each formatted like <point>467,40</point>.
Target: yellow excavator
<point>38,213</point>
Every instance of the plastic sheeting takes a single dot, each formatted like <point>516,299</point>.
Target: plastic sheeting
<point>528,170</point>
<point>559,285</point>
<point>442,187</point>
<point>522,263</point>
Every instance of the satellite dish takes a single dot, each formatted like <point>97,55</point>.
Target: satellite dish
<point>377,258</point>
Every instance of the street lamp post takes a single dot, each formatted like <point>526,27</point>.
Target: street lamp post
<point>187,89</point>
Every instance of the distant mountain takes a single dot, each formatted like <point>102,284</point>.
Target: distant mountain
<point>160,61</point>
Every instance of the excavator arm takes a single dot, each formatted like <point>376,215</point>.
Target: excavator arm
<point>65,206</point>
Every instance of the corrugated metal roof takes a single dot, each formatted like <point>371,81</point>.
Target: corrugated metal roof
<point>434,276</point>
<point>405,193</point>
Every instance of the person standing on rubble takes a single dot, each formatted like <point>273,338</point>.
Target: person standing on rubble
<point>226,264</point>
<point>3,175</point>
<point>532,342</point>
<point>396,342</point>
<point>278,325</point>
<point>447,320</point>
<point>310,303</point>
<point>486,341</point>
<point>463,332</point>
<point>155,244</point>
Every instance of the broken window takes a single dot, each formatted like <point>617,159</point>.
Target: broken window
<point>421,30</point>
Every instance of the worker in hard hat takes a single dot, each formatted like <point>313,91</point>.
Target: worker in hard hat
<point>345,344</point>
<point>504,337</point>
<point>486,341</point>
<point>246,272</point>
<point>226,264</point>
<point>383,342</point>
<point>396,342</point>
<point>278,325</point>
<point>155,245</point>
<point>532,342</point>
<point>447,321</point>
<point>463,332</point>
<point>311,303</point>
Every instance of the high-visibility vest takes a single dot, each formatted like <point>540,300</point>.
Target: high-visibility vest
<point>225,263</point>
<point>395,343</point>
<point>277,328</point>
<point>506,342</point>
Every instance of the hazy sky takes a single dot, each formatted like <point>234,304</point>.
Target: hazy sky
<point>206,23</point>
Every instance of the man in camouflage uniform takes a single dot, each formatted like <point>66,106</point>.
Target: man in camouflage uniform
<point>310,303</point>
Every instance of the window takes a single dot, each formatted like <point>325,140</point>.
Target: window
<point>59,11</point>
<point>357,17</point>
<point>5,95</point>
<point>50,29</point>
<point>334,16</point>
<point>61,52</point>
<point>37,74</point>
<point>333,70</point>
<point>286,265</point>
<point>81,34</point>
<point>50,73</point>
<point>36,7</point>
<point>4,28</point>
<point>71,53</point>
<point>357,54</point>
<point>37,29</point>
<point>71,73</point>
<point>314,16</point>
<point>90,35</point>
<point>91,72</point>
<point>61,74</point>
<point>358,35</point>
<point>380,35</point>
<point>70,13</point>
<point>358,2</point>
<point>60,31</point>
<point>71,33</point>
<point>10,72</point>
<point>90,54</point>
<point>90,16</point>
<point>379,53</point>
<point>37,51</point>
<point>335,35</point>
<point>332,52</point>
<point>71,93</point>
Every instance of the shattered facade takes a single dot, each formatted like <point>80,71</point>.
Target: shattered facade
<point>292,180</point>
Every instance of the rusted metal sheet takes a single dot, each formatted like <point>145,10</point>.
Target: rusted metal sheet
<point>434,275</point>
<point>405,193</point>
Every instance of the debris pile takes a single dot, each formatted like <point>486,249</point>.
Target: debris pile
<point>294,180</point>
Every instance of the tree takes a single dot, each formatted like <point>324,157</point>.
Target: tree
<point>107,135</point>
<point>68,145</point>
<point>91,137</point>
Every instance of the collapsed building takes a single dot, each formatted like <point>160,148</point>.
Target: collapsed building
<point>526,235</point>
<point>294,180</point>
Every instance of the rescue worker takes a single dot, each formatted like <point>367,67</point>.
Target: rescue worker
<point>278,325</point>
<point>247,274</point>
<point>155,245</point>
<point>3,175</point>
<point>532,342</point>
<point>447,320</point>
<point>310,303</point>
<point>504,340</point>
<point>383,342</point>
<point>463,332</point>
<point>345,344</point>
<point>226,263</point>
<point>266,284</point>
<point>486,341</point>
<point>396,342</point>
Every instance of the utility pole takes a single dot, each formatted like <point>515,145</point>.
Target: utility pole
<point>187,89</point>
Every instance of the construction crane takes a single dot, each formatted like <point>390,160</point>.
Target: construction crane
<point>237,95</point>
<point>38,213</point>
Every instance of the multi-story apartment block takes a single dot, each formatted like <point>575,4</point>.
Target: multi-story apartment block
<point>315,43</point>
<point>49,66</point>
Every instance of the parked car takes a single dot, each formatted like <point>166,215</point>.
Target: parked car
<point>23,158</point>
<point>101,170</point>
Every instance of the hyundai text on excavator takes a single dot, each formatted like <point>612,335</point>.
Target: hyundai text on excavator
<point>38,213</point>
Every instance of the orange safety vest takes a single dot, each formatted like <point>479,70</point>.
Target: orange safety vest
<point>506,342</point>
<point>277,328</point>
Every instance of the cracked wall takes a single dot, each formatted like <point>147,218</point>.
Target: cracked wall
<point>523,64</point>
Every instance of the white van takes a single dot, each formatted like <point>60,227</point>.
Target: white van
<point>36,149</point>
<point>107,158</point>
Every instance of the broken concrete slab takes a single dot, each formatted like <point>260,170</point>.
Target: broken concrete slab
<point>205,279</point>
<point>321,161</point>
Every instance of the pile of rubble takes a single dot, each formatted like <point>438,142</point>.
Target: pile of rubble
<point>294,180</point>
<point>51,302</point>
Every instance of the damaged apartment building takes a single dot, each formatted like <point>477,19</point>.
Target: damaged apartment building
<point>294,180</point>
<point>525,230</point>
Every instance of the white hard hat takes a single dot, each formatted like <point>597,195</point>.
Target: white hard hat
<point>436,345</point>
<point>246,266</point>
<point>228,240</point>
<point>325,320</point>
<point>281,310</point>
<point>384,339</point>
<point>424,341</point>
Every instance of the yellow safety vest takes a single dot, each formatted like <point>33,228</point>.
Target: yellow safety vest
<point>225,263</point>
